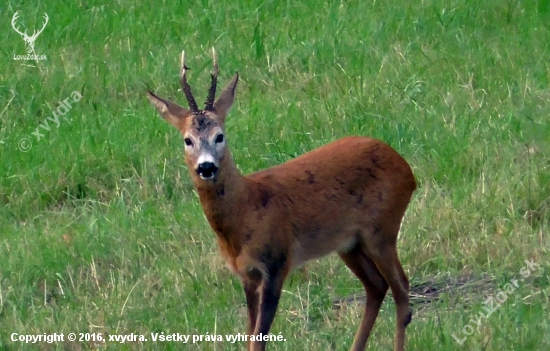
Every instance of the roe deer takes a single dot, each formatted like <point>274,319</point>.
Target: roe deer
<point>348,196</point>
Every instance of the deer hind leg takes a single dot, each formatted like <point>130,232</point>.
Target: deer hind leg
<point>375,286</point>
<point>386,260</point>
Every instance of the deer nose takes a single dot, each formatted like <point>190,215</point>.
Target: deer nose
<point>207,170</point>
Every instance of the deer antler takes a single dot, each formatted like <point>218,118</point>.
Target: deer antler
<point>35,34</point>
<point>13,24</point>
<point>212,92</point>
<point>185,86</point>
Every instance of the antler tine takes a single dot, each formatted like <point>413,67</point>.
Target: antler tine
<point>185,86</point>
<point>46,18</point>
<point>212,92</point>
<point>14,24</point>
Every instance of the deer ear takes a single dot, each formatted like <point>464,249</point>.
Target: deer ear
<point>224,102</point>
<point>171,111</point>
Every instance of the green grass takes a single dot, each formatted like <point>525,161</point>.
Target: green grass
<point>102,232</point>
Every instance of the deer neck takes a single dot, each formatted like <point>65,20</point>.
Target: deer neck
<point>222,198</point>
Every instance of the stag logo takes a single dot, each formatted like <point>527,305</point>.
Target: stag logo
<point>29,39</point>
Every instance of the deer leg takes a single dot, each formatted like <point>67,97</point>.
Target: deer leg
<point>375,286</point>
<point>252,302</point>
<point>388,265</point>
<point>270,293</point>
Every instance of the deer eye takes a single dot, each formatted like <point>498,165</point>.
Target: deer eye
<point>219,139</point>
<point>188,142</point>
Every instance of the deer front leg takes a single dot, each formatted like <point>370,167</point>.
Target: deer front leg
<point>252,302</point>
<point>269,295</point>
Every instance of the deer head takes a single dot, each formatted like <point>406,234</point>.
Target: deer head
<point>29,40</point>
<point>202,130</point>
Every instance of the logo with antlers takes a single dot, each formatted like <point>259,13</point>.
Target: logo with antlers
<point>29,39</point>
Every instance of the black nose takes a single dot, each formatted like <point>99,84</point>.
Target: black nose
<point>207,169</point>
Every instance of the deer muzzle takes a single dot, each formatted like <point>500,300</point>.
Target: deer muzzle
<point>207,170</point>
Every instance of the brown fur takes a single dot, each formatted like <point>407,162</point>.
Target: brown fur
<point>347,197</point>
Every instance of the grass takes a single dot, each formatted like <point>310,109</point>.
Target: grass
<point>102,232</point>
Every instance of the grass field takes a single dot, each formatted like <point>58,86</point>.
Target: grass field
<point>102,232</point>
